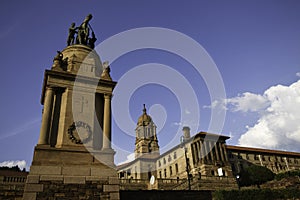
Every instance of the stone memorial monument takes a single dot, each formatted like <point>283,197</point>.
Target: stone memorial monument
<point>73,158</point>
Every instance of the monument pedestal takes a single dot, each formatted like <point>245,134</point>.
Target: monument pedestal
<point>68,173</point>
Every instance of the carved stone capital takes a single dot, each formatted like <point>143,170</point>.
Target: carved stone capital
<point>107,96</point>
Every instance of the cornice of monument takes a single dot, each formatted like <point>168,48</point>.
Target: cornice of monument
<point>73,77</point>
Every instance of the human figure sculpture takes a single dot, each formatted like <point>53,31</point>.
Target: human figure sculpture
<point>92,40</point>
<point>58,59</point>
<point>106,71</point>
<point>83,31</point>
<point>59,56</point>
<point>72,32</point>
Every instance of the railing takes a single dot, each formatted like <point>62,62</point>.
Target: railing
<point>203,177</point>
<point>169,181</point>
<point>14,179</point>
<point>159,180</point>
<point>131,180</point>
<point>171,184</point>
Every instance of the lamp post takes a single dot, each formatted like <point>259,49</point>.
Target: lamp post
<point>186,161</point>
<point>238,181</point>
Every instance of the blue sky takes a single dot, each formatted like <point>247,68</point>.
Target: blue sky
<point>254,44</point>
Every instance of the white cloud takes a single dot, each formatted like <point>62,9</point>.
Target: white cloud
<point>249,102</point>
<point>218,105</point>
<point>298,74</point>
<point>177,123</point>
<point>278,124</point>
<point>11,163</point>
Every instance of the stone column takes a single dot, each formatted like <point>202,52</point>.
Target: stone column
<point>205,154</point>
<point>199,151</point>
<point>193,152</point>
<point>46,119</point>
<point>196,153</point>
<point>217,151</point>
<point>211,151</point>
<point>107,122</point>
<point>221,152</point>
<point>225,152</point>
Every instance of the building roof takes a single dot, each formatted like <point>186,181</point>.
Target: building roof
<point>211,135</point>
<point>201,134</point>
<point>147,159</point>
<point>144,119</point>
<point>258,150</point>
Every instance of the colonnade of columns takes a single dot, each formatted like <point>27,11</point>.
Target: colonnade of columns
<point>204,151</point>
<point>47,118</point>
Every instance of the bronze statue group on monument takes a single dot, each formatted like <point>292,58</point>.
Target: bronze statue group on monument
<point>83,33</point>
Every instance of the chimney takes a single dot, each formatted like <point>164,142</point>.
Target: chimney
<point>186,132</point>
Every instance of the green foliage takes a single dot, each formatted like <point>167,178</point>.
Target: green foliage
<point>287,174</point>
<point>255,175</point>
<point>263,194</point>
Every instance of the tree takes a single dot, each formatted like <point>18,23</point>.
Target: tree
<point>13,168</point>
<point>255,175</point>
<point>287,174</point>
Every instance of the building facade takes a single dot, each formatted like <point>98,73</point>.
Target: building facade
<point>277,161</point>
<point>203,161</point>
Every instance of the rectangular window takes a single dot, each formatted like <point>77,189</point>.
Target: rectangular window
<point>176,168</point>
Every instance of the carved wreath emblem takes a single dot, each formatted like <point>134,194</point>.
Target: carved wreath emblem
<point>85,135</point>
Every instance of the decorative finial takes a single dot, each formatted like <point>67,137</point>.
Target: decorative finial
<point>144,110</point>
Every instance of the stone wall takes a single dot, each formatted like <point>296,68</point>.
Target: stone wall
<point>13,191</point>
<point>75,188</point>
<point>89,191</point>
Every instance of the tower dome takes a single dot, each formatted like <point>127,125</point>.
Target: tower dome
<point>144,119</point>
<point>146,143</point>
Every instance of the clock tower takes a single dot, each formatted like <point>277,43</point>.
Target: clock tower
<point>146,143</point>
<point>74,148</point>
